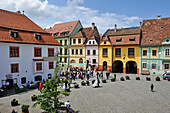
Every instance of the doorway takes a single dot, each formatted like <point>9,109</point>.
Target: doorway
<point>117,66</point>
<point>131,67</point>
<point>104,66</point>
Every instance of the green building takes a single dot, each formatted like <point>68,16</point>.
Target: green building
<point>62,32</point>
<point>155,46</point>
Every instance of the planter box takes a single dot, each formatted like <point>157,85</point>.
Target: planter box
<point>122,79</point>
<point>137,78</point>
<point>83,83</point>
<point>76,86</point>
<point>14,103</point>
<point>113,80</point>
<point>127,77</point>
<point>68,90</point>
<point>148,79</point>
<point>157,79</point>
<point>104,81</point>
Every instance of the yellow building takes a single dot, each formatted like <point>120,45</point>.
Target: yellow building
<point>125,49</point>
<point>105,55</point>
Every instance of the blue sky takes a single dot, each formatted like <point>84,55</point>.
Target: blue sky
<point>105,13</point>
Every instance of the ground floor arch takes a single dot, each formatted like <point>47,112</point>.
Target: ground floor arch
<point>131,67</point>
<point>117,66</point>
<point>104,66</point>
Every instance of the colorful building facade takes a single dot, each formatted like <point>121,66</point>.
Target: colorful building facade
<point>155,46</point>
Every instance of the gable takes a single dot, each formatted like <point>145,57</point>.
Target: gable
<point>91,42</point>
<point>105,43</point>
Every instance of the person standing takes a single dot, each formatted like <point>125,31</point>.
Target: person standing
<point>152,86</point>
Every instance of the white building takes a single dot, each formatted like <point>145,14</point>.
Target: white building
<point>28,53</point>
<point>92,48</point>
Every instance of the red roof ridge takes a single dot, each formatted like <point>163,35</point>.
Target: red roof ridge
<point>156,19</point>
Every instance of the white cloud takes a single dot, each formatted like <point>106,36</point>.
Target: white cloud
<point>45,14</point>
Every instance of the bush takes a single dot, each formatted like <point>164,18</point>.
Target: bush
<point>104,80</point>
<point>148,78</point>
<point>112,79</point>
<point>127,77</point>
<point>83,83</point>
<point>137,78</point>
<point>122,79</point>
<point>157,78</point>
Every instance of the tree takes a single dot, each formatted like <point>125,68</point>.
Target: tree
<point>52,92</point>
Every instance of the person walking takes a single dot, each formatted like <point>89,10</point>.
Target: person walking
<point>98,82</point>
<point>152,86</point>
<point>67,104</point>
<point>40,86</point>
<point>97,74</point>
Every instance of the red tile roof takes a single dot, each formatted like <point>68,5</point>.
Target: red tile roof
<point>123,36</point>
<point>155,30</point>
<point>25,28</point>
<point>63,27</point>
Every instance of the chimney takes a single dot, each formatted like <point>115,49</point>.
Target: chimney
<point>159,16</point>
<point>18,12</point>
<point>23,12</point>
<point>93,25</point>
<point>115,27</point>
<point>140,25</point>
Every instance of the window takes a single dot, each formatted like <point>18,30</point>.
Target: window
<point>119,40</point>
<point>53,29</point>
<point>153,66</point>
<point>50,52</point>
<point>81,51</point>
<point>74,41</point>
<point>14,68</point>
<point>93,42</point>
<point>94,52</point>
<point>132,39</point>
<point>117,51</point>
<point>37,52</point>
<point>167,52</point>
<point>144,65</point>
<point>14,34</point>
<point>51,65</point>
<point>81,60</point>
<point>166,66</point>
<point>70,27</point>
<point>94,61</point>
<point>65,42</point>
<point>61,42</point>
<point>65,51</point>
<point>130,51</point>
<point>104,42</point>
<point>79,40</point>
<point>89,42</point>
<point>61,51</point>
<point>14,51</point>
<point>105,52</point>
<point>38,78</point>
<point>72,51</point>
<point>161,27</point>
<point>167,40</point>
<point>37,36</point>
<point>38,66</point>
<point>150,40</point>
<point>154,52</point>
<point>23,80</point>
<point>144,52</point>
<point>64,33</point>
<point>65,59</point>
<point>55,34</point>
<point>60,59</point>
<point>88,52</point>
<point>76,51</point>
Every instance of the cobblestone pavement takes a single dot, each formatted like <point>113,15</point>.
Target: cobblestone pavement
<point>129,96</point>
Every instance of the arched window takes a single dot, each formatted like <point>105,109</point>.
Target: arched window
<point>80,60</point>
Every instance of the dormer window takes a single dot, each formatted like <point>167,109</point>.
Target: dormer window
<point>167,40</point>
<point>104,42</point>
<point>151,40</point>
<point>161,27</point>
<point>14,34</point>
<point>89,42</point>
<point>55,34</point>
<point>37,36</point>
<point>70,27</point>
<point>119,40</point>
<point>64,33</point>
<point>132,39</point>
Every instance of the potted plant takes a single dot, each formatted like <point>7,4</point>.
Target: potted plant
<point>88,83</point>
<point>93,81</point>
<point>112,79</point>
<point>127,77</point>
<point>104,80</point>
<point>34,97</point>
<point>122,79</point>
<point>137,78</point>
<point>76,85</point>
<point>14,102</point>
<point>25,108</point>
<point>157,78</point>
<point>83,83</point>
<point>67,89</point>
<point>148,78</point>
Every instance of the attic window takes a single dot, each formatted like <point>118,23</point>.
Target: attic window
<point>70,27</point>
<point>64,33</point>
<point>55,34</point>
<point>167,40</point>
<point>161,27</point>
<point>119,40</point>
<point>60,28</point>
<point>14,34</point>
<point>37,36</point>
<point>132,39</point>
<point>104,42</point>
<point>151,40</point>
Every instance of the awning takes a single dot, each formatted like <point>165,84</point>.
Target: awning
<point>73,64</point>
<point>81,64</point>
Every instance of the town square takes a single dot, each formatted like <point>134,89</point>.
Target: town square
<point>77,56</point>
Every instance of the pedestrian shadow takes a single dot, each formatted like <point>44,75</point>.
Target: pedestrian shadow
<point>153,91</point>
